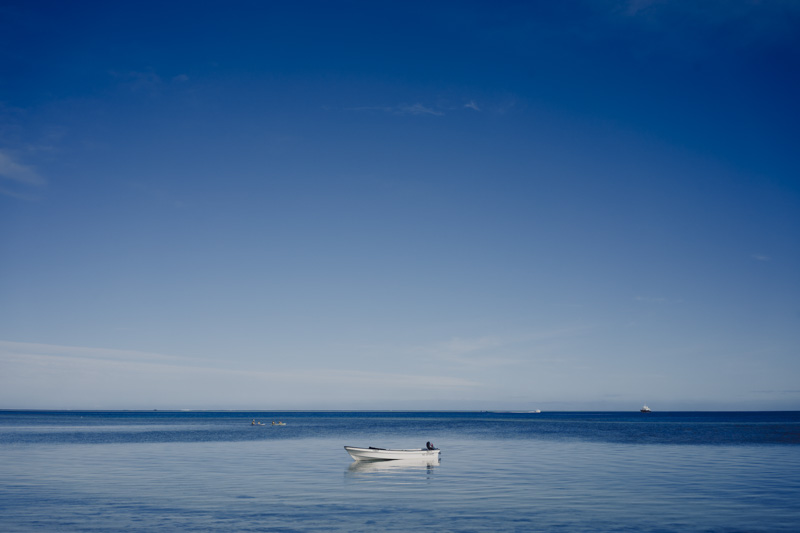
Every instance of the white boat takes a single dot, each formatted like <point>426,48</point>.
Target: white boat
<point>382,454</point>
<point>644,409</point>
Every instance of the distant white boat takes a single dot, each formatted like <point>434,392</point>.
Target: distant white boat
<point>382,454</point>
<point>644,409</point>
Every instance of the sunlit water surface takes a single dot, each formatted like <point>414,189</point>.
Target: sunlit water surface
<point>498,472</point>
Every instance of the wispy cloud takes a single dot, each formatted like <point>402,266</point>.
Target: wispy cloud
<point>157,194</point>
<point>34,374</point>
<point>418,109</point>
<point>438,110</point>
<point>19,179</point>
<point>11,169</point>
<point>495,351</point>
<point>470,352</point>
<point>108,354</point>
<point>138,81</point>
<point>761,257</point>
<point>685,26</point>
<point>656,300</point>
<point>651,299</point>
<point>147,82</point>
<point>381,379</point>
<point>401,109</point>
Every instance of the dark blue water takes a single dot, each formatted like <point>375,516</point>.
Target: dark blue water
<point>214,471</point>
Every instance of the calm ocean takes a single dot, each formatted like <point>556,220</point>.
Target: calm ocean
<point>214,471</point>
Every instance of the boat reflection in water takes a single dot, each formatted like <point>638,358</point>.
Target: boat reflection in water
<point>389,467</point>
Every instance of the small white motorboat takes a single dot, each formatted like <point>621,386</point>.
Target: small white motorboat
<point>644,409</point>
<point>382,454</point>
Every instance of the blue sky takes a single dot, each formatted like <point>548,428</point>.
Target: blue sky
<point>411,205</point>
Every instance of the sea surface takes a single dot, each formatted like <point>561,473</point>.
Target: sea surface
<point>543,472</point>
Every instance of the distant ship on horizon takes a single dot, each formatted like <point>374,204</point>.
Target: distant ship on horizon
<point>645,409</point>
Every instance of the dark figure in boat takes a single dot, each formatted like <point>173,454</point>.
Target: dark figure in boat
<point>430,446</point>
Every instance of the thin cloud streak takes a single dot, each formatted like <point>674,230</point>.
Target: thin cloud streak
<point>494,351</point>
<point>401,109</point>
<point>656,300</point>
<point>108,354</point>
<point>11,169</point>
<point>79,375</point>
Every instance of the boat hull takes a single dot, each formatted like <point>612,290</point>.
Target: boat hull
<point>380,454</point>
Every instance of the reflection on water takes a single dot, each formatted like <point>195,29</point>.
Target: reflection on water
<point>399,465</point>
<point>517,475</point>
